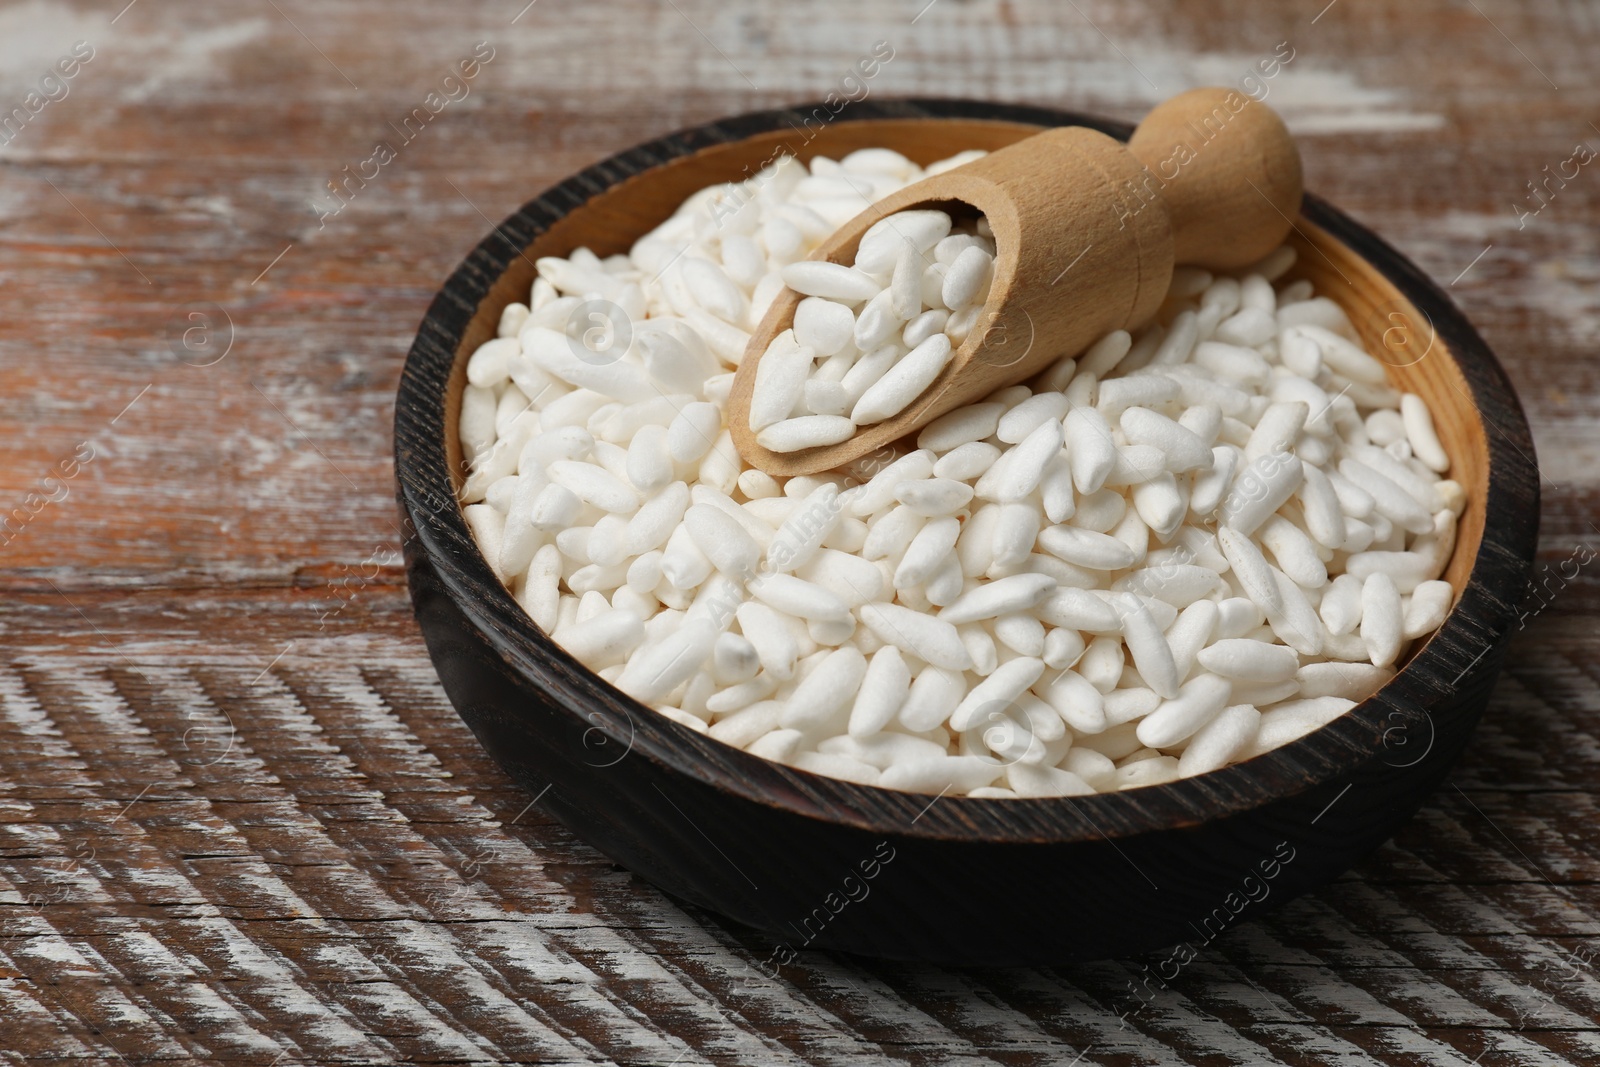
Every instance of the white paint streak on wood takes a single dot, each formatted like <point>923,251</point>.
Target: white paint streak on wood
<point>526,937</point>
<point>264,969</point>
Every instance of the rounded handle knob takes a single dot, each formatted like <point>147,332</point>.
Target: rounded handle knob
<point>1228,171</point>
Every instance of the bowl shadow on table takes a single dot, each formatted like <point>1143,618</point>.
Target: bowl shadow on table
<point>824,864</point>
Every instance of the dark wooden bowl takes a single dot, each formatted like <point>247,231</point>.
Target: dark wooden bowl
<point>819,863</point>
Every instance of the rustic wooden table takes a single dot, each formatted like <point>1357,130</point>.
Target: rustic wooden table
<point>238,820</point>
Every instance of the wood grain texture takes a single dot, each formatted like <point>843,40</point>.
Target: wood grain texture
<point>240,822</point>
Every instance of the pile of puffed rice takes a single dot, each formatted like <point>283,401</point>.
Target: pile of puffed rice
<point>1177,552</point>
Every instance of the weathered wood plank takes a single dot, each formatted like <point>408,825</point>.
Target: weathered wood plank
<point>238,821</point>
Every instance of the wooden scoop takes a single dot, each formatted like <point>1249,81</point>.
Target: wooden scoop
<point>1087,231</point>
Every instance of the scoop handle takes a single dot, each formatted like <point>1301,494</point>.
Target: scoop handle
<point>1228,172</point>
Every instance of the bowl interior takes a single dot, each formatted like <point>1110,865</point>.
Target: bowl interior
<point>608,207</point>
<point>1390,325</point>
<point>1417,360</point>
<point>613,219</point>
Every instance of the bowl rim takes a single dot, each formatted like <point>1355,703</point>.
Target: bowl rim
<point>437,529</point>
